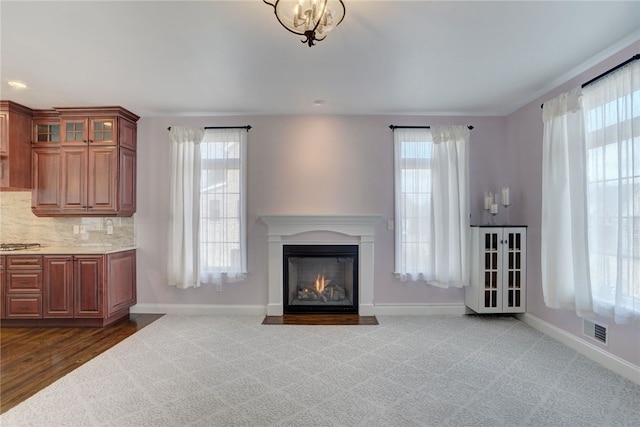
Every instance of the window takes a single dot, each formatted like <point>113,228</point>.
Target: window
<point>222,205</point>
<point>612,134</point>
<point>432,204</point>
<point>413,200</point>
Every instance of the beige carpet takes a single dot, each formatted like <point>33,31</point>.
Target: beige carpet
<point>406,371</point>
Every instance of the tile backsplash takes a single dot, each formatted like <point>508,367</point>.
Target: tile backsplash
<point>19,225</point>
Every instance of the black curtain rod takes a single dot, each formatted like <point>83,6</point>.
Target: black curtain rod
<point>595,79</point>
<point>247,127</point>
<point>394,127</point>
<point>606,73</point>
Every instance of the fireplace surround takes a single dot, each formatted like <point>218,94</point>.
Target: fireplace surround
<point>356,230</point>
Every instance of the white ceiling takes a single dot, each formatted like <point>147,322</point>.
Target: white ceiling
<point>171,58</point>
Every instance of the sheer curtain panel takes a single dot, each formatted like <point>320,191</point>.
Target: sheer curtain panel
<point>564,250</point>
<point>223,206</point>
<point>183,264</point>
<point>432,205</point>
<point>612,120</point>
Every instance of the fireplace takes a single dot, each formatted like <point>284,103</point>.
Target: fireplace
<point>320,279</point>
<point>356,230</point>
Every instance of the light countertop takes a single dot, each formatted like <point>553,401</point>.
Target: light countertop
<point>70,250</point>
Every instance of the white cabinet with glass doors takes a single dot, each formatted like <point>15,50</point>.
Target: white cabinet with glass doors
<point>498,269</point>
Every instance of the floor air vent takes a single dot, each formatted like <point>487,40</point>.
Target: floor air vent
<point>595,331</point>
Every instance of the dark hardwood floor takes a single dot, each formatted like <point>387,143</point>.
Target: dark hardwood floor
<point>33,358</point>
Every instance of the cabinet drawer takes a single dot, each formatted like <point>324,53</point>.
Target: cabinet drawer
<point>24,281</point>
<point>23,306</point>
<point>24,261</point>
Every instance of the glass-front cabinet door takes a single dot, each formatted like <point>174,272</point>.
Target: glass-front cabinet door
<point>514,270</point>
<point>498,270</point>
<point>46,132</point>
<point>92,131</point>
<point>102,131</point>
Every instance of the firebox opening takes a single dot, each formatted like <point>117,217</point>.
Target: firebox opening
<point>320,279</point>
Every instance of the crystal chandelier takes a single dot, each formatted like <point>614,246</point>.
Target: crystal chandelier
<point>312,19</point>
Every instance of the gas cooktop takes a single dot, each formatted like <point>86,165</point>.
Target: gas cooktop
<point>18,246</point>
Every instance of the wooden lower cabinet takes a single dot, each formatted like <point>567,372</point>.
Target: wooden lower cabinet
<point>2,276</point>
<point>23,287</point>
<point>57,286</point>
<point>88,284</point>
<point>83,290</point>
<point>121,293</point>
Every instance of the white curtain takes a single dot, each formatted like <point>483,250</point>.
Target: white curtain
<point>223,251</point>
<point>612,119</point>
<point>432,205</point>
<point>564,249</point>
<point>183,264</point>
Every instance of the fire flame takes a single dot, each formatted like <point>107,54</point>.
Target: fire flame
<point>320,280</point>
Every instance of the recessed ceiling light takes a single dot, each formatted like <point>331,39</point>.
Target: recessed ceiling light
<point>318,102</point>
<point>18,85</point>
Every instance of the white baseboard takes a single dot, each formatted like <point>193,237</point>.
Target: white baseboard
<point>261,310</point>
<point>418,309</point>
<point>201,309</point>
<point>609,361</point>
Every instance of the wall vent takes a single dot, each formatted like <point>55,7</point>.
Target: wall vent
<point>596,331</point>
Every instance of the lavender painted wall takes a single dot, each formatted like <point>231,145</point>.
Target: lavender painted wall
<point>302,165</point>
<point>524,130</point>
<point>344,165</point>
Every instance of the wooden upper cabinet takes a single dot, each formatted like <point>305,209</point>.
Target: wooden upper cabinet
<point>98,126</point>
<point>128,134</point>
<point>15,146</point>
<point>97,156</point>
<point>47,176</point>
<point>4,133</point>
<point>102,180</point>
<point>73,188</point>
<point>92,130</point>
<point>45,128</point>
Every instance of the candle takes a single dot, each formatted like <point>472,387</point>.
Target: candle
<point>494,208</point>
<point>487,201</point>
<point>505,196</point>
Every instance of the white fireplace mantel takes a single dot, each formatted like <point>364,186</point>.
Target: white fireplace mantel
<point>360,227</point>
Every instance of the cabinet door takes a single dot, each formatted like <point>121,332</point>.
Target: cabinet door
<point>122,281</point>
<point>103,131</point>
<point>45,132</point>
<point>73,190</point>
<point>4,134</point>
<point>57,286</point>
<point>88,284</point>
<point>2,278</point>
<point>127,176</point>
<point>491,270</point>
<point>45,196</point>
<point>75,130</point>
<point>127,134</point>
<point>514,271</point>
<point>102,179</point>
